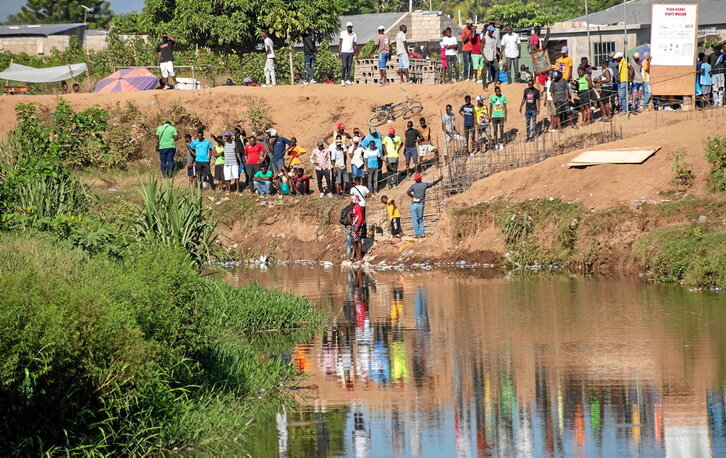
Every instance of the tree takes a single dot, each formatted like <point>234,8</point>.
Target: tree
<point>287,25</point>
<point>518,14</point>
<point>98,14</point>
<point>233,25</point>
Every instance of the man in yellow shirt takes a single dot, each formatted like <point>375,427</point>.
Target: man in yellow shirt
<point>564,63</point>
<point>481,116</point>
<point>646,79</point>
<point>391,147</point>
<point>622,80</point>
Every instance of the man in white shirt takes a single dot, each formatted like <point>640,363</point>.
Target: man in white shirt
<point>347,49</point>
<point>491,54</point>
<point>510,47</point>
<point>451,46</point>
<point>270,61</point>
<point>402,53</point>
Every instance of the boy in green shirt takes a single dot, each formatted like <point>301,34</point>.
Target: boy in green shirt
<point>498,110</point>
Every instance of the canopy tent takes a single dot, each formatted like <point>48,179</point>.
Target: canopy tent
<point>128,80</point>
<point>17,72</point>
<point>642,49</point>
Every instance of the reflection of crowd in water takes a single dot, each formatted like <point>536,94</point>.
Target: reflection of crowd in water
<point>492,411</point>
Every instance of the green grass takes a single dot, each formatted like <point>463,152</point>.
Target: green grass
<point>694,255</point>
<point>132,356</point>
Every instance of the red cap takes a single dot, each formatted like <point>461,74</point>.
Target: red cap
<point>341,126</point>
<point>418,177</point>
<point>391,130</point>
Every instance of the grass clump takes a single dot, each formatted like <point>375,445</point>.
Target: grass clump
<point>682,174</point>
<point>131,356</point>
<point>716,154</point>
<point>694,255</point>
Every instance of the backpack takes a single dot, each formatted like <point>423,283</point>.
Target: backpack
<point>345,214</point>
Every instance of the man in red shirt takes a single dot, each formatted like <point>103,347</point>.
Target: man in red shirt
<point>255,154</point>
<point>466,34</point>
<point>534,41</point>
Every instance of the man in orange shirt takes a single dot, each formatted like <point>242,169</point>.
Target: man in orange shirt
<point>564,64</point>
<point>466,34</point>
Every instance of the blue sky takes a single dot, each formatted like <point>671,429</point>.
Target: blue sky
<point>118,6</point>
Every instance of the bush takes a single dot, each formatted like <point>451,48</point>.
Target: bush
<point>694,255</point>
<point>129,357</point>
<point>716,154</point>
<point>682,174</point>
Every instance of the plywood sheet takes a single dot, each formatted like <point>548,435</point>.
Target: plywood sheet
<point>672,80</point>
<point>636,155</point>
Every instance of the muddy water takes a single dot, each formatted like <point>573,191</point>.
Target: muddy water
<point>454,364</point>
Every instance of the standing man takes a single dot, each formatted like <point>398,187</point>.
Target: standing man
<point>448,125</point>
<point>622,80</point>
<point>530,101</point>
<point>561,95</point>
<point>310,51</point>
<point>646,80</point>
<point>165,54</point>
<point>347,49</point>
<point>477,60</point>
<point>338,155</point>
<point>717,59</point>
<point>412,138</point>
<point>402,53</point>
<point>467,112</point>
<point>498,109</point>
<point>202,156</point>
<point>450,46</point>
<point>491,54</point>
<point>278,146</point>
<point>481,113</point>
<point>637,65</point>
<point>466,35</point>
<point>383,45</point>
<point>510,46</point>
<point>270,60</point>
<point>392,152</point>
<point>417,193</point>
<point>320,157</point>
<point>564,64</point>
<point>167,135</point>
<point>255,154</point>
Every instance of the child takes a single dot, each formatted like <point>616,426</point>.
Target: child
<point>357,222</point>
<point>394,217</point>
<point>503,76</point>
<point>219,162</point>
<point>524,73</point>
<point>295,151</point>
<point>191,165</point>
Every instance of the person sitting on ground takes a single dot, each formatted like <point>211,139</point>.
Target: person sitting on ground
<point>394,217</point>
<point>524,74</point>
<point>295,151</point>
<point>300,182</point>
<point>263,181</point>
<point>281,182</point>
<point>64,87</point>
<point>191,166</point>
<point>503,75</point>
<point>357,225</point>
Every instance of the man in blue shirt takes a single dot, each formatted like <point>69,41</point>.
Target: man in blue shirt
<point>373,136</point>
<point>278,146</point>
<point>203,153</point>
<point>467,111</point>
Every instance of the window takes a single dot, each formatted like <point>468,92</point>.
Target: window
<point>602,51</point>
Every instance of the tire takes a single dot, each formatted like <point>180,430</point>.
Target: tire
<point>399,109</point>
<point>414,110</point>
<point>378,118</point>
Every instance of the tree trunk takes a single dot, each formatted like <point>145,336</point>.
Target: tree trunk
<point>292,68</point>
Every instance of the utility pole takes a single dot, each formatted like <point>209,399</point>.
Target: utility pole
<point>625,54</point>
<point>589,45</point>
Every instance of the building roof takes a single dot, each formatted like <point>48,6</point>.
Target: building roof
<point>42,30</point>
<point>710,12</point>
<point>366,25</point>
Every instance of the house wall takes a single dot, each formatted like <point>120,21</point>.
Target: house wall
<point>34,46</point>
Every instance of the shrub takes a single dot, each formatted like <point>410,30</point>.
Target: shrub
<point>129,357</point>
<point>258,115</point>
<point>516,228</point>
<point>682,174</point>
<point>716,154</point>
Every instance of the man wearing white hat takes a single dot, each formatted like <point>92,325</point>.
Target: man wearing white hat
<point>637,65</point>
<point>383,45</point>
<point>564,64</point>
<point>347,49</point>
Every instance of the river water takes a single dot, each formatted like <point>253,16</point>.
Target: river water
<point>444,364</point>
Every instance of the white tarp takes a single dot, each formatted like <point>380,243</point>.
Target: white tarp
<point>635,155</point>
<point>17,72</point>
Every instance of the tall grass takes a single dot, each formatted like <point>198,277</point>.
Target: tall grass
<point>47,197</point>
<point>132,356</point>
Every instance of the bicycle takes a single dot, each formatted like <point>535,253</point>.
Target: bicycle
<point>389,112</point>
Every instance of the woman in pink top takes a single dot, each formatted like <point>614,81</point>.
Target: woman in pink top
<point>443,62</point>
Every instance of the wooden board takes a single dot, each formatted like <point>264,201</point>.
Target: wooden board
<point>635,155</point>
<point>671,80</point>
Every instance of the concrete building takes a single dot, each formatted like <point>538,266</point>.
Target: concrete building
<point>607,32</point>
<point>39,39</point>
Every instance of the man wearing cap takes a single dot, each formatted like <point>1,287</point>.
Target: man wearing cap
<point>347,49</point>
<point>637,66</point>
<point>481,115</point>
<point>622,80</point>
<point>278,146</point>
<point>491,53</point>
<point>466,35</point>
<point>339,130</point>
<point>392,147</point>
<point>373,136</point>
<point>231,163</point>
<point>564,64</point>
<point>165,54</point>
<point>383,45</point>
<point>402,54</point>
<point>510,47</point>
<point>320,157</point>
<point>561,95</point>
<point>417,193</point>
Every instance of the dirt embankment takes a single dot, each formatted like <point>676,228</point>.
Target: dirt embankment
<point>605,196</point>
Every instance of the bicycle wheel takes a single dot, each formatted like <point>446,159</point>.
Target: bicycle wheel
<point>413,110</point>
<point>399,109</point>
<point>378,118</point>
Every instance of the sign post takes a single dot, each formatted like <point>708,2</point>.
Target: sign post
<point>673,45</point>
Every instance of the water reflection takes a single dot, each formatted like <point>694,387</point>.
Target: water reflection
<point>440,365</point>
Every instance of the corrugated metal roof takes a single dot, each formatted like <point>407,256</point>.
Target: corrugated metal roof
<point>710,12</point>
<point>366,25</point>
<point>36,29</point>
